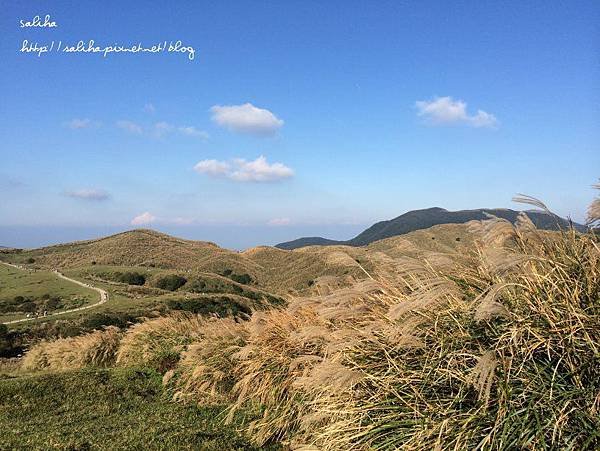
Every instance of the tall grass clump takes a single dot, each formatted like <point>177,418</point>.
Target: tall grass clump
<point>159,342</point>
<point>206,371</point>
<point>280,347</point>
<point>98,348</point>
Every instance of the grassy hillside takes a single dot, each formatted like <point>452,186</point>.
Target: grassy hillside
<point>149,249</point>
<point>274,275</point>
<point>24,292</point>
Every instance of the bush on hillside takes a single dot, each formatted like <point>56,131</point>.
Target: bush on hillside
<point>5,340</point>
<point>101,320</point>
<point>244,279</point>
<point>171,282</point>
<point>131,278</point>
<point>221,306</point>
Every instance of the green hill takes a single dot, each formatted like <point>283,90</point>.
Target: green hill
<point>423,219</point>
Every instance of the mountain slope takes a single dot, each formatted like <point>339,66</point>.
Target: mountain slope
<point>423,219</point>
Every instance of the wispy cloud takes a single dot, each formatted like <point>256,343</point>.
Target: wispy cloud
<point>88,194</point>
<point>246,118</point>
<point>241,170</point>
<point>279,222</point>
<point>161,129</point>
<point>149,108</point>
<point>193,131</point>
<point>130,127</point>
<point>148,218</point>
<point>79,124</point>
<point>447,111</point>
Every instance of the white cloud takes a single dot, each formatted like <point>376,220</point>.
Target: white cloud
<point>79,124</point>
<point>447,111</point>
<point>88,194</point>
<point>259,170</point>
<point>143,219</point>
<point>212,167</point>
<point>277,222</point>
<point>483,119</point>
<point>149,108</point>
<point>130,127</point>
<point>246,118</point>
<point>193,131</point>
<point>241,170</point>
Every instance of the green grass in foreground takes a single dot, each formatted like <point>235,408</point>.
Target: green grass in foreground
<point>105,409</point>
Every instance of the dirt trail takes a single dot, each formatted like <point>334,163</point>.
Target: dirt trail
<point>103,296</point>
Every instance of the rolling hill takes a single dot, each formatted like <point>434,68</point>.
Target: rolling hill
<point>271,269</point>
<point>423,219</point>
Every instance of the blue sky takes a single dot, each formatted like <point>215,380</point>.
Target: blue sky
<point>360,111</point>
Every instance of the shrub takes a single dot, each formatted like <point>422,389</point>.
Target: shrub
<point>30,260</point>
<point>5,342</point>
<point>52,303</point>
<point>244,279</point>
<point>222,306</point>
<point>27,306</point>
<point>11,344</point>
<point>132,278</point>
<point>171,282</point>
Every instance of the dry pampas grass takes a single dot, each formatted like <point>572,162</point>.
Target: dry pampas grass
<point>97,349</point>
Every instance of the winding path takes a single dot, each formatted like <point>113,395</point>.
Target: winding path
<point>103,296</point>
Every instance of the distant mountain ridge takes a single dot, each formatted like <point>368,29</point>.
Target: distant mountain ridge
<point>429,217</point>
